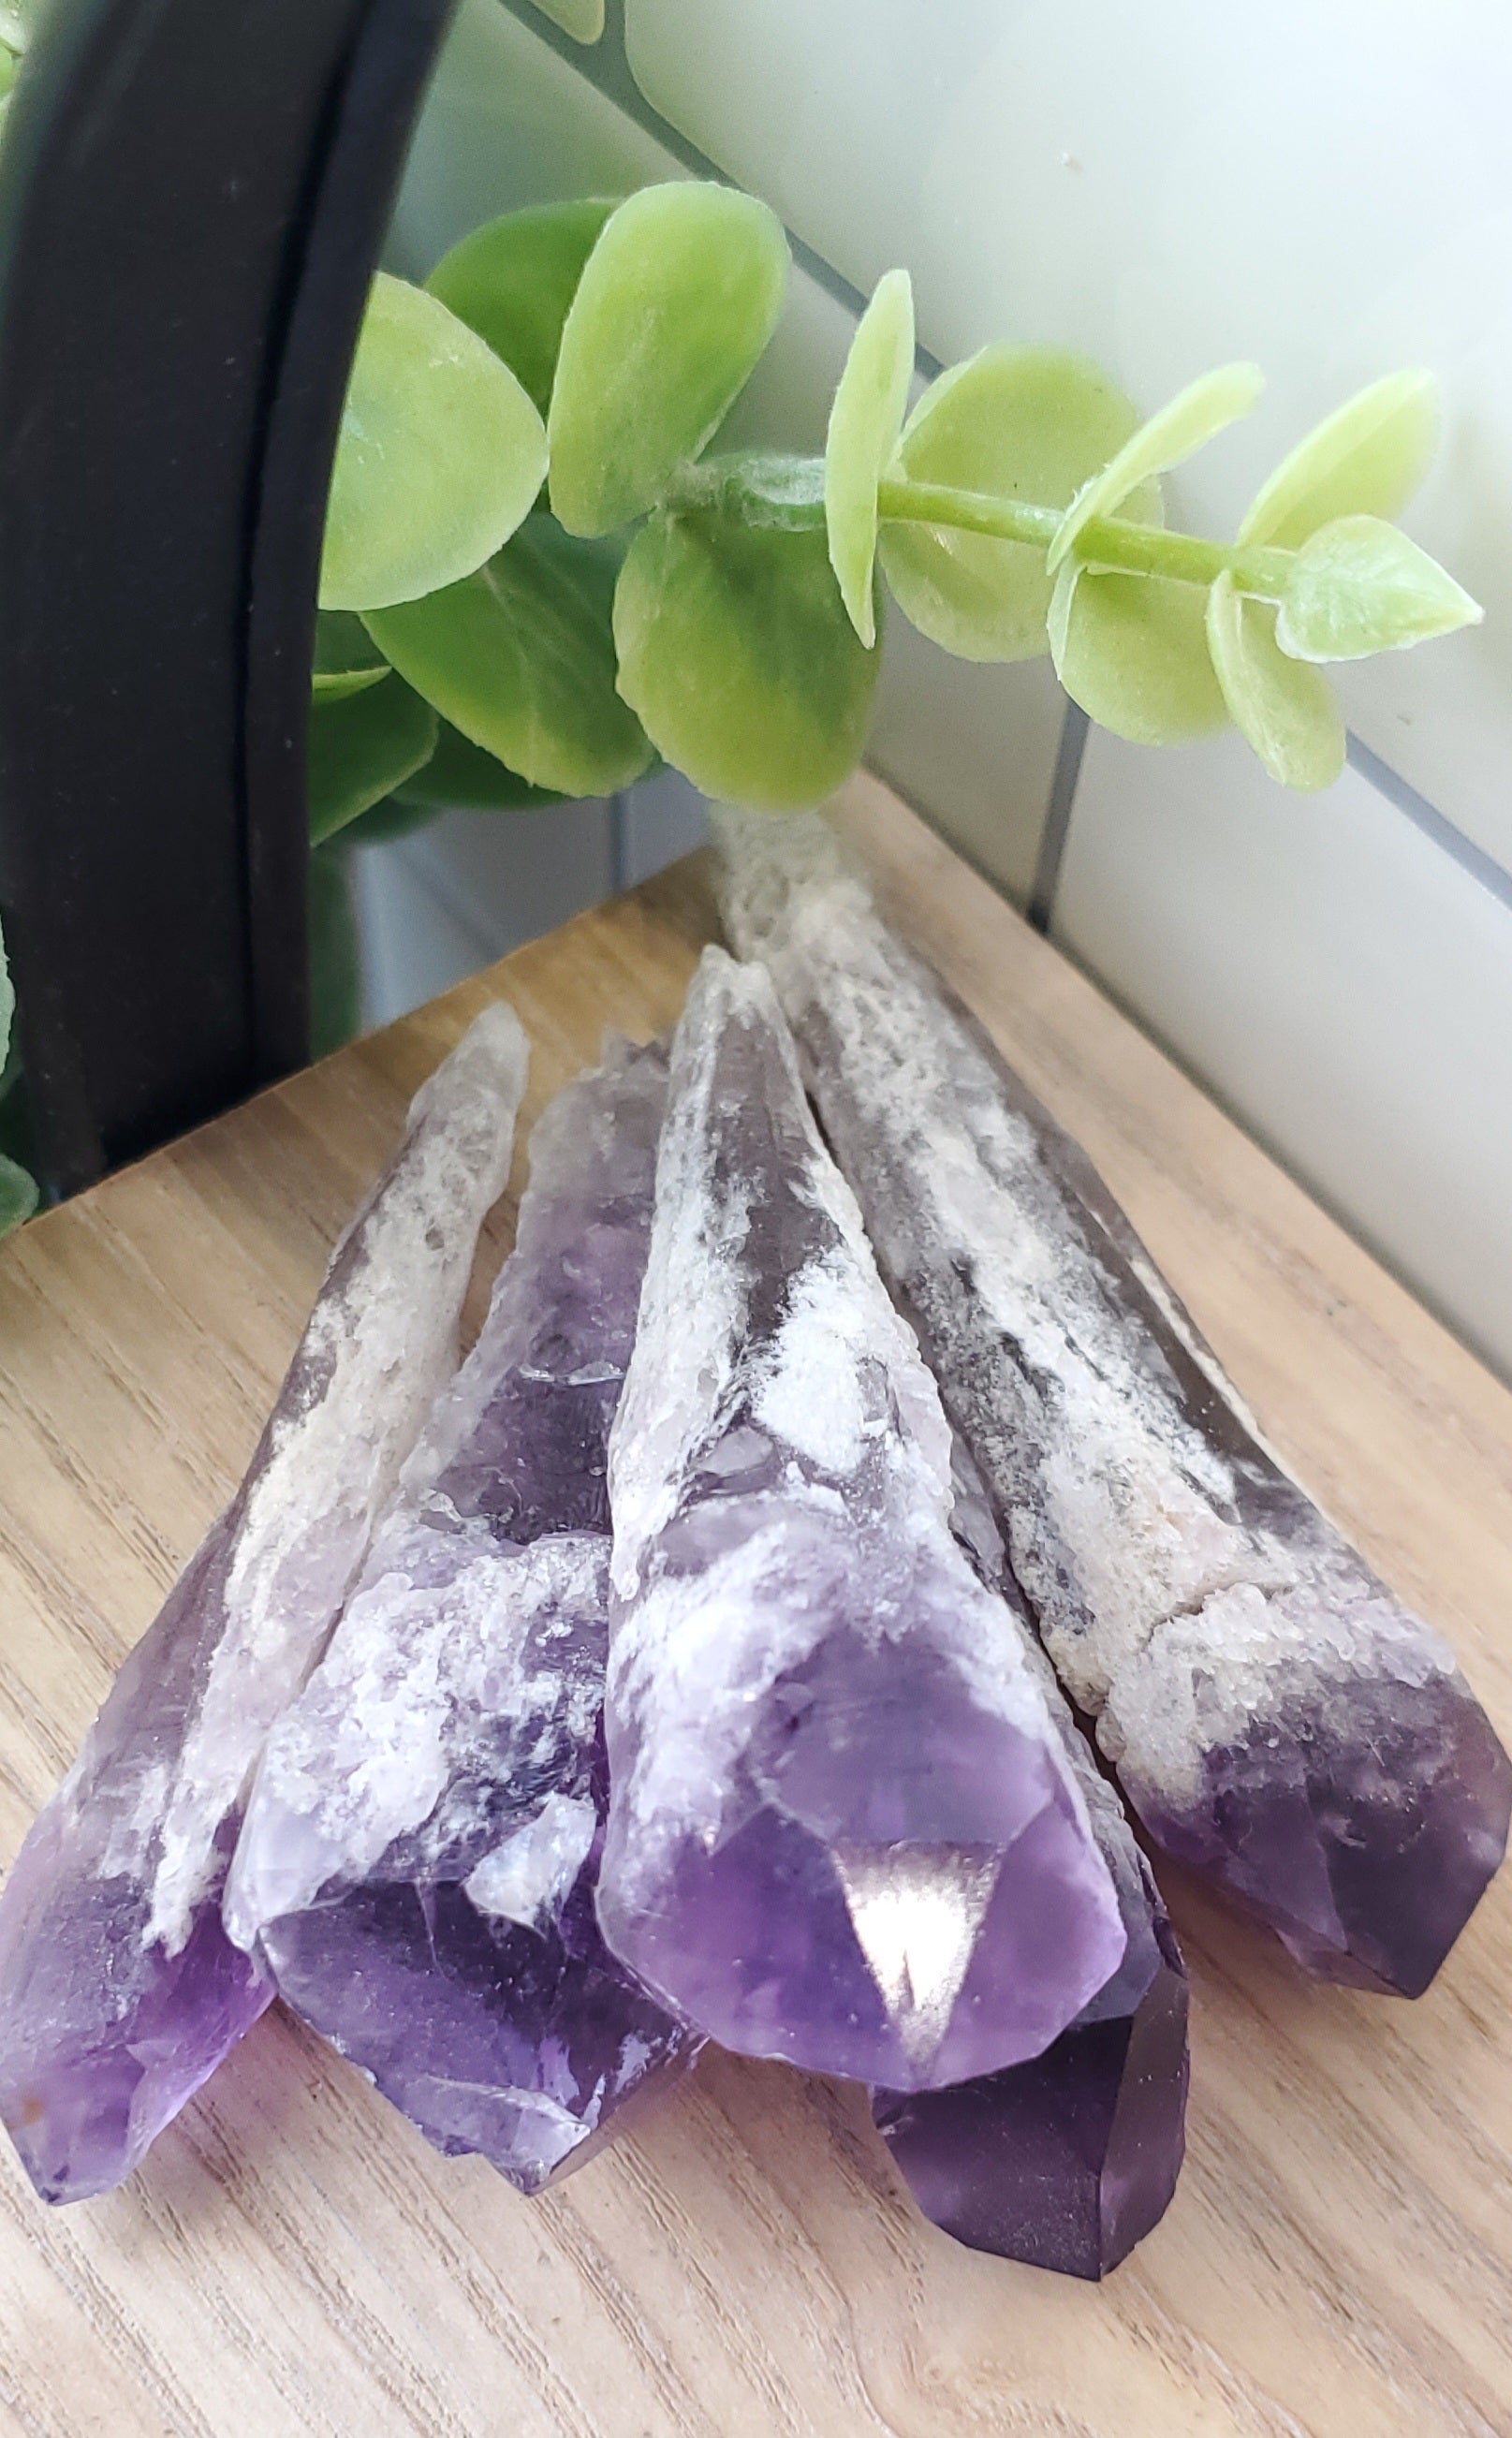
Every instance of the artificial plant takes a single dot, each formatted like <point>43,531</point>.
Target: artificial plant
<point>722,610</point>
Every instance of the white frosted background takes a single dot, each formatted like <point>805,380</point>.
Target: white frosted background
<point>1334,977</point>
<point>1323,188</point>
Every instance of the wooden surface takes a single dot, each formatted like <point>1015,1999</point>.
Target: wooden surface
<point>292,2257</point>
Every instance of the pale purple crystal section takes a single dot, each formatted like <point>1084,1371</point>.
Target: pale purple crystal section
<point>843,1829</point>
<point>1276,1718</point>
<point>418,1858</point>
<point>119,1992</point>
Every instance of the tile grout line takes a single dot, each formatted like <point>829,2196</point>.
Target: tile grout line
<point>605,67</point>
<point>1434,825</point>
<point>1074,727</point>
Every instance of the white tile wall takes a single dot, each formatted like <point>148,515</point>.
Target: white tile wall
<point>1341,982</point>
<point>1324,189</point>
<point>1327,189</point>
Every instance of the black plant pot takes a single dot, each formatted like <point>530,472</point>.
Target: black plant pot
<point>192,198</point>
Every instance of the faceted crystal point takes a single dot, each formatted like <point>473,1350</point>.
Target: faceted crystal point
<point>419,1853</point>
<point>1275,1716</point>
<point>1065,2161</point>
<point>119,1992</point>
<point>843,1828</point>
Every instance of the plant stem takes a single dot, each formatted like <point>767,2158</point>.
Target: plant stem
<point>1107,541</point>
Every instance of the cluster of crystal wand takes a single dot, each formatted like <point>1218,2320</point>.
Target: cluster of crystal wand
<point>418,1860</point>
<point>843,1828</point>
<point>1276,1718</point>
<point>1069,2160</point>
<point>120,1991</point>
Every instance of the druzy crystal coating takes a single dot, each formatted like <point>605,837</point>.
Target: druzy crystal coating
<point>843,1829</point>
<point>419,1852</point>
<point>119,1991</point>
<point>1275,1717</point>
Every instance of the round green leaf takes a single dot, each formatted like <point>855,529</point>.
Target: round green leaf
<point>1284,709</point>
<point>1191,419</point>
<point>461,777</point>
<point>361,747</point>
<point>1132,651</point>
<point>1366,459</point>
<point>520,657</point>
<point>736,650</point>
<point>760,487</point>
<point>678,299</point>
<point>514,281</point>
<point>346,659</point>
<point>441,454</point>
<point>865,422</point>
<point>1358,586</point>
<point>393,818</point>
<point>18,1196</point>
<point>1020,423</point>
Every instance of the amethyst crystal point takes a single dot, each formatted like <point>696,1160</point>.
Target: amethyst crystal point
<point>1067,2161</point>
<point>1275,1717</point>
<point>119,1992</point>
<point>843,1829</point>
<point>418,1858</point>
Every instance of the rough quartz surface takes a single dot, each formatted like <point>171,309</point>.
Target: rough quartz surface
<point>1276,1718</point>
<point>419,1853</point>
<point>843,1828</point>
<point>119,1992</point>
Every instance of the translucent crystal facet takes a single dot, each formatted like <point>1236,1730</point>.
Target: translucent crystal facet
<point>843,1829</point>
<point>119,1991</point>
<point>418,1858</point>
<point>1275,1717</point>
<point>1068,2160</point>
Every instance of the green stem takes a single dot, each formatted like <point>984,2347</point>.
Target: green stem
<point>1106,541</point>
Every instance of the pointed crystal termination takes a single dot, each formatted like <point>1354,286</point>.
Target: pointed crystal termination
<point>419,1852</point>
<point>119,1991</point>
<point>1276,1718</point>
<point>1068,2160</point>
<point>1065,2161</point>
<point>842,1828</point>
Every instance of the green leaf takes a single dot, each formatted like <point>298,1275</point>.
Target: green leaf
<point>678,302</point>
<point>335,952</point>
<point>461,777</point>
<point>393,818</point>
<point>441,454</point>
<point>1358,586</point>
<point>1132,651</point>
<point>737,652</point>
<point>360,747</point>
<point>760,486</point>
<point>1191,419</point>
<point>346,659</point>
<point>18,1196</point>
<point>866,420</point>
<point>1283,708</point>
<point>514,281</point>
<point>520,657</point>
<point>1020,423</point>
<point>1366,459</point>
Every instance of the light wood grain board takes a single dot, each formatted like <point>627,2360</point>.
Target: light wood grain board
<point>292,2259</point>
